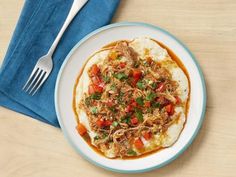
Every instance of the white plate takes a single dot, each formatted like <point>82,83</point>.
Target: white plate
<point>71,68</point>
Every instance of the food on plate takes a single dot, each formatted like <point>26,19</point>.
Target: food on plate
<point>131,98</point>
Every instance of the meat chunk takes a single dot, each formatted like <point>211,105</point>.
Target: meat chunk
<point>126,51</point>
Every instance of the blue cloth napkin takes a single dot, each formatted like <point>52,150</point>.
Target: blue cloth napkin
<point>39,24</point>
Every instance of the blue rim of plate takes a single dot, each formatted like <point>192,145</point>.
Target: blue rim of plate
<point>131,24</point>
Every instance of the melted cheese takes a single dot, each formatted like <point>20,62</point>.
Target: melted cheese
<point>146,47</point>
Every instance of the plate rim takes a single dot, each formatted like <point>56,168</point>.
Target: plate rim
<point>113,25</point>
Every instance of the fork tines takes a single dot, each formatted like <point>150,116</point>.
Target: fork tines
<point>35,81</point>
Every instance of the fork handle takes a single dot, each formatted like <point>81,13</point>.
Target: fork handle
<point>76,6</point>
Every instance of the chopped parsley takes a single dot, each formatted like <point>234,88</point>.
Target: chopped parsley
<point>154,85</point>
<point>126,119</point>
<point>119,57</point>
<point>131,152</point>
<point>149,110</point>
<point>140,85</point>
<point>139,114</point>
<point>115,124</point>
<point>96,96</point>
<point>106,79</point>
<point>104,135</point>
<point>94,110</point>
<point>139,100</point>
<point>112,109</point>
<point>151,96</point>
<point>96,138</point>
<point>113,87</point>
<point>156,105</point>
<point>121,76</point>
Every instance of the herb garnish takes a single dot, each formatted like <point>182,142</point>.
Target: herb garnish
<point>120,76</point>
<point>151,96</point>
<point>96,96</point>
<point>156,105</point>
<point>94,110</point>
<point>131,152</point>
<point>139,100</point>
<point>140,85</point>
<point>126,119</point>
<point>106,79</point>
<point>115,124</point>
<point>139,114</point>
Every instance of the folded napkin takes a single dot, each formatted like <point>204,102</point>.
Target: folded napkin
<point>39,24</point>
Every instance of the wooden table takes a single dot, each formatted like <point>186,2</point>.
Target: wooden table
<point>31,148</point>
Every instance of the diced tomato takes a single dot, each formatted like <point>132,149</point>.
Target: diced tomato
<point>138,143</point>
<point>100,122</point>
<point>91,89</point>
<point>170,109</point>
<point>97,88</point>
<point>95,70</point>
<point>147,135</point>
<point>134,104</point>
<point>129,108</point>
<point>122,64</point>
<point>137,74</point>
<point>134,120</point>
<point>102,84</point>
<point>161,87</point>
<point>99,85</point>
<point>96,80</point>
<point>107,123</point>
<point>178,100</point>
<point>81,129</point>
<point>147,104</point>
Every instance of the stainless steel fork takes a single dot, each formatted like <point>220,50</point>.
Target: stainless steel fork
<point>44,65</point>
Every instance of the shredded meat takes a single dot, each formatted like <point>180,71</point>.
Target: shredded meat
<point>125,50</point>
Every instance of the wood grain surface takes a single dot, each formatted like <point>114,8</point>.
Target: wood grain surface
<point>29,148</point>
